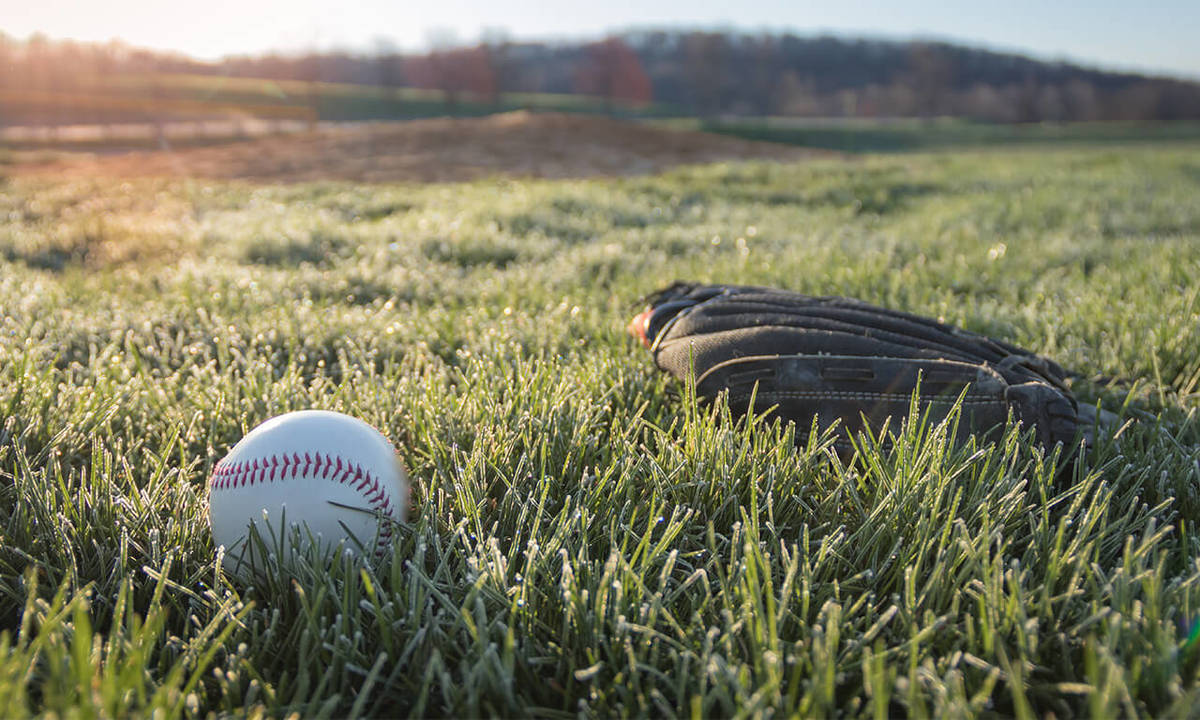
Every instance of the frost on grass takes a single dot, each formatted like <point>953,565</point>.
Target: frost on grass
<point>584,539</point>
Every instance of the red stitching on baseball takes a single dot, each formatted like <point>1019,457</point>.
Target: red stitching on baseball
<point>244,473</point>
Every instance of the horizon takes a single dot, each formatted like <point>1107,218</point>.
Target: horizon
<point>1155,37</point>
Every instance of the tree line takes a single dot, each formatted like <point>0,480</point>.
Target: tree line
<point>687,72</point>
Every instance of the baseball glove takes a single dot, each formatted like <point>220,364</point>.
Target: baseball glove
<point>845,361</point>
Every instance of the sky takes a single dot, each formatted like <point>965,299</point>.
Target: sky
<point>1157,36</point>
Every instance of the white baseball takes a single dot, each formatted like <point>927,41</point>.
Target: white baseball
<point>333,476</point>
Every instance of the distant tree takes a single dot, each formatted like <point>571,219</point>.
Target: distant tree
<point>932,74</point>
<point>8,60</point>
<point>763,66</point>
<point>444,77</point>
<point>1025,99</point>
<point>496,46</point>
<point>37,61</point>
<point>1081,102</point>
<point>1050,104</point>
<point>457,72</point>
<point>1138,102</point>
<point>902,100</point>
<point>708,72</point>
<point>1171,99</point>
<point>443,66</point>
<point>985,102</point>
<point>309,70</point>
<point>795,95</point>
<point>389,63</point>
<point>613,72</point>
<point>389,70</point>
<point>707,56</point>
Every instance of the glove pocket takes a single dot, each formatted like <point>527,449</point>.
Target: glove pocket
<point>859,393</point>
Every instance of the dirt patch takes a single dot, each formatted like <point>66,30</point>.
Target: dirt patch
<point>518,144</point>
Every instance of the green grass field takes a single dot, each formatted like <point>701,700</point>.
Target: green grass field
<point>586,539</point>
<point>867,135</point>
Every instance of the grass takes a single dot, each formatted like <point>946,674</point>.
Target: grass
<point>866,135</point>
<point>586,538</point>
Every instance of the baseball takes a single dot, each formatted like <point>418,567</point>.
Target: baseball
<point>332,476</point>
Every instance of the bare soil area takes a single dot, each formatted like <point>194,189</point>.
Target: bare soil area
<point>518,144</point>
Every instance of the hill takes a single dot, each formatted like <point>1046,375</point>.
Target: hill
<point>645,72</point>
